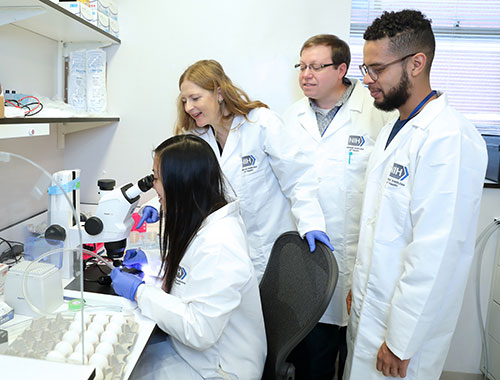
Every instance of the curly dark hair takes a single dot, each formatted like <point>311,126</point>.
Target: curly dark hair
<point>409,31</point>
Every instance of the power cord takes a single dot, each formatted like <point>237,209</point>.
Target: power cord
<point>26,106</point>
<point>13,254</point>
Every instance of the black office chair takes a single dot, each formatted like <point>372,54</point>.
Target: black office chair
<point>295,291</point>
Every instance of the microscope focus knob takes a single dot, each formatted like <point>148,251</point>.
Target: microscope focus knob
<point>94,225</point>
<point>106,184</point>
<point>55,232</point>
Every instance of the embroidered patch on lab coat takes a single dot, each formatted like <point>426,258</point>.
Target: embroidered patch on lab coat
<point>181,275</point>
<point>355,143</point>
<point>397,175</point>
<point>248,164</point>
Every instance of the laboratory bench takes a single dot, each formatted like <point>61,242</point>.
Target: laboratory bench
<point>19,367</point>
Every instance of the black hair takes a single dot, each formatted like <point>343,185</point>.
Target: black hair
<point>409,31</point>
<point>193,186</point>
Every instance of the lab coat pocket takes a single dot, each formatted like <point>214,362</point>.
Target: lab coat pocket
<point>255,183</point>
<point>392,211</point>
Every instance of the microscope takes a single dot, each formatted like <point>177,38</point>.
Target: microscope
<point>111,223</point>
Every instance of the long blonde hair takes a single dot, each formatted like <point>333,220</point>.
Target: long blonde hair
<point>209,75</point>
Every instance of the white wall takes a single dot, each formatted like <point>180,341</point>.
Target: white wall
<point>27,65</point>
<point>465,350</point>
<point>257,42</point>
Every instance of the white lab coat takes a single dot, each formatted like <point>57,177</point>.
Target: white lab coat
<point>213,313</point>
<point>269,174</point>
<point>416,243</point>
<point>340,157</point>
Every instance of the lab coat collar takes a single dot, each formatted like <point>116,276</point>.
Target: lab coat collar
<point>430,111</point>
<point>353,105</point>
<point>307,117</point>
<point>232,208</point>
<point>238,121</point>
<point>421,121</point>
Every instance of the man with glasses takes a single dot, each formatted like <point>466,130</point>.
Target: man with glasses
<point>418,224</point>
<point>336,124</point>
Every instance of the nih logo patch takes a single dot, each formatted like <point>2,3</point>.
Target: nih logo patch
<point>248,164</point>
<point>397,175</point>
<point>181,275</point>
<point>355,143</point>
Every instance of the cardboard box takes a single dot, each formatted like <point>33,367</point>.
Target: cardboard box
<point>6,313</point>
<point>2,107</point>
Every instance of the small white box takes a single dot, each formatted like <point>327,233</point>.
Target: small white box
<point>102,21</point>
<point>113,10</point>
<point>114,28</point>
<point>43,287</point>
<point>103,6</point>
<point>72,6</point>
<point>93,8</point>
<point>88,15</point>
<point>6,313</point>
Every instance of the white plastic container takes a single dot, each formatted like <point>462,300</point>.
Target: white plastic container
<point>43,288</point>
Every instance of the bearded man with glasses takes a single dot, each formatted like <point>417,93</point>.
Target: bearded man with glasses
<point>419,217</point>
<point>336,125</point>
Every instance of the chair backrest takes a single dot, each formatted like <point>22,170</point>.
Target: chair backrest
<point>295,291</point>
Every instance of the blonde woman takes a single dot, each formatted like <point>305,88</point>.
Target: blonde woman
<point>276,186</point>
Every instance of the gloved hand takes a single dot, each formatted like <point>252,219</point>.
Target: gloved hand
<point>125,284</point>
<point>149,215</point>
<point>314,235</point>
<point>134,258</point>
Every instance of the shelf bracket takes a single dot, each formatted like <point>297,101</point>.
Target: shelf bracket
<point>9,15</point>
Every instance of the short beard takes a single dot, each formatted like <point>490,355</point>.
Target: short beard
<point>397,96</point>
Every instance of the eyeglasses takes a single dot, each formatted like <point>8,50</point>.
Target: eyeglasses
<point>313,66</point>
<point>374,73</point>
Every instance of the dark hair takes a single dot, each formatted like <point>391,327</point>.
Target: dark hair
<point>409,31</point>
<point>340,50</point>
<point>193,188</point>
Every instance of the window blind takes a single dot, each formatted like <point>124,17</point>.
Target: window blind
<point>467,61</point>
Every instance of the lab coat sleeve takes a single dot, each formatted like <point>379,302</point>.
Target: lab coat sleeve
<point>445,197</point>
<point>154,261</point>
<point>297,177</point>
<point>198,316</point>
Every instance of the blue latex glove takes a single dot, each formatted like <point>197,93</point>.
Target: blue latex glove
<point>134,258</point>
<point>314,235</point>
<point>125,284</point>
<point>149,215</point>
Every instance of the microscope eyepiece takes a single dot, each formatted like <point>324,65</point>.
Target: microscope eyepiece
<point>146,183</point>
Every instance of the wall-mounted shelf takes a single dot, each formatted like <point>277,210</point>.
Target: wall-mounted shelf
<point>52,120</point>
<point>39,126</point>
<point>52,21</point>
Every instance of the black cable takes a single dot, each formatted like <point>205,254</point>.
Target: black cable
<point>30,112</point>
<point>5,241</point>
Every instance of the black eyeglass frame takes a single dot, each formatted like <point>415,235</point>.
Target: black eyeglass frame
<point>310,66</point>
<point>374,73</point>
